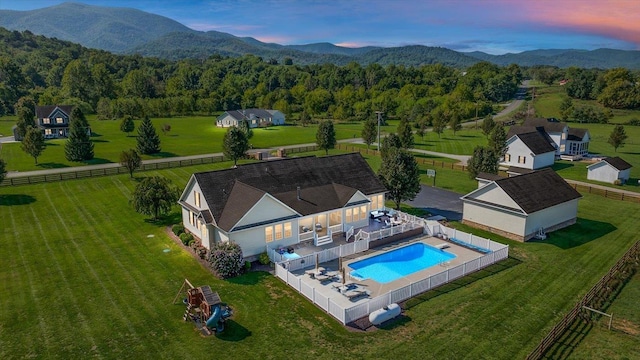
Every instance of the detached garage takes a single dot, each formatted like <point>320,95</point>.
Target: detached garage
<point>609,170</point>
<point>523,206</point>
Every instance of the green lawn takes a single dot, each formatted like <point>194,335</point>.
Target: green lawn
<point>80,276</point>
<point>188,136</point>
<point>6,123</point>
<point>462,143</point>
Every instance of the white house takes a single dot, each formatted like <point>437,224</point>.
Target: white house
<point>529,151</point>
<point>280,203</point>
<point>569,141</point>
<point>609,170</point>
<point>255,117</point>
<point>522,206</point>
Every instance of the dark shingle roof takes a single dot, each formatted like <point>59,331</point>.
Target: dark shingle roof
<point>488,176</point>
<point>549,126</point>
<point>538,190</point>
<point>246,114</point>
<point>618,163</point>
<point>576,134</point>
<point>46,110</point>
<point>325,183</point>
<point>536,142</point>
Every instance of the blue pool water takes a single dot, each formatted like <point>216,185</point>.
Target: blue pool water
<point>400,262</point>
<point>290,256</point>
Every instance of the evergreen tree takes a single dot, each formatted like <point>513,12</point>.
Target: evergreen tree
<point>487,125</point>
<point>618,137</point>
<point>148,139</point>
<point>498,140</point>
<point>484,159</point>
<point>406,134</point>
<point>33,142</point>
<point>127,126</point>
<point>400,174</point>
<point>235,144</point>
<point>391,141</point>
<point>326,136</point>
<point>78,146</point>
<point>369,132</point>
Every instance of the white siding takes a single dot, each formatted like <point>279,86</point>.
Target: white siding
<point>516,149</point>
<point>495,195</point>
<point>551,216</point>
<point>602,171</point>
<point>543,160</point>
<point>494,218</point>
<point>252,241</point>
<point>266,209</point>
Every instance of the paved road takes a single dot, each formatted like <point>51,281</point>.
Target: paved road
<point>439,202</point>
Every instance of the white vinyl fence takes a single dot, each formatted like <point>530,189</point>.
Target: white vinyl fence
<point>364,308</point>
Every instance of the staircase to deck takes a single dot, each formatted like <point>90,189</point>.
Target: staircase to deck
<point>322,240</point>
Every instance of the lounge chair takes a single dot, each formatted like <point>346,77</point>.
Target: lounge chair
<point>356,293</point>
<point>316,272</point>
<point>327,276</point>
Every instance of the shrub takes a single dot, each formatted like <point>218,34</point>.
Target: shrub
<point>191,242</point>
<point>634,122</point>
<point>185,238</point>
<point>264,258</point>
<point>247,265</point>
<point>177,229</point>
<point>226,259</point>
<point>617,182</point>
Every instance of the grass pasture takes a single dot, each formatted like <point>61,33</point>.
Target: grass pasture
<point>80,276</point>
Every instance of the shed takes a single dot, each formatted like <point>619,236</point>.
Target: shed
<point>609,170</point>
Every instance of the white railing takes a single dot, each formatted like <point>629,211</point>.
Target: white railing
<point>349,233</point>
<point>335,228</point>
<point>347,315</point>
<point>306,236</point>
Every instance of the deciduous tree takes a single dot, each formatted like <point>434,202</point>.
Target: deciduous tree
<point>618,137</point>
<point>406,134</point>
<point>33,142</point>
<point>369,132</point>
<point>400,174</point>
<point>148,139</point>
<point>131,160</point>
<point>498,140</point>
<point>235,144</point>
<point>326,136</point>
<point>391,141</point>
<point>487,125</point>
<point>127,125</point>
<point>484,159</point>
<point>78,146</point>
<point>154,196</point>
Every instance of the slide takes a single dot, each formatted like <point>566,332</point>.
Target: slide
<point>214,319</point>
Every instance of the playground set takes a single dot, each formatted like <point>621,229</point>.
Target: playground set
<point>204,308</point>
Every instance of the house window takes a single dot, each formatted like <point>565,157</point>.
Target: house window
<point>196,196</point>
<point>348,217</point>
<point>562,147</point>
<point>356,214</point>
<point>522,159</point>
<point>192,218</point>
<point>363,212</point>
<point>507,157</point>
<point>46,121</point>
<point>59,120</point>
<point>47,131</point>
<point>268,234</point>
<point>287,230</point>
<point>204,231</point>
<point>278,229</point>
<point>564,135</point>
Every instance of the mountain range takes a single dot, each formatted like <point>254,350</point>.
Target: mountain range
<point>128,31</point>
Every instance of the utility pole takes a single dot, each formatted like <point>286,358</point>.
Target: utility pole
<point>379,114</point>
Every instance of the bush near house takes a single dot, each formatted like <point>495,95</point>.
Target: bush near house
<point>264,258</point>
<point>177,229</point>
<point>186,238</point>
<point>226,260</point>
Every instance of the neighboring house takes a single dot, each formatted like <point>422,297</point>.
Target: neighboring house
<point>523,206</point>
<point>486,178</point>
<point>609,170</point>
<point>529,150</point>
<point>282,202</point>
<point>53,120</point>
<point>255,117</point>
<point>567,141</point>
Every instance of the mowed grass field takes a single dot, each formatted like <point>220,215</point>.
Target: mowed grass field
<point>82,276</point>
<point>188,136</point>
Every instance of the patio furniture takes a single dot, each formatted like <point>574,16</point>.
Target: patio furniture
<point>318,227</point>
<point>353,294</point>
<point>315,272</point>
<point>327,276</point>
<point>443,246</point>
<point>377,213</point>
<point>349,285</point>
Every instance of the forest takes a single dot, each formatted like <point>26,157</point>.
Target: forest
<point>40,70</point>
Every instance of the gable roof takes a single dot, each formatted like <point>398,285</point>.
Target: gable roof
<point>577,134</point>
<point>617,163</point>
<point>538,190</point>
<point>549,126</point>
<point>246,114</point>
<point>536,142</point>
<point>488,176</point>
<point>44,111</point>
<point>325,183</point>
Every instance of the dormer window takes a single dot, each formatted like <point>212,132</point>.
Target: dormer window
<point>59,120</point>
<point>46,121</point>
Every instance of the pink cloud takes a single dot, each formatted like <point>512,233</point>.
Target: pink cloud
<point>619,19</point>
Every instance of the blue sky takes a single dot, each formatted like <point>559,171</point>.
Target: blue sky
<point>492,26</point>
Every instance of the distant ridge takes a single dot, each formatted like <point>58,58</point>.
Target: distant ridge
<point>131,31</point>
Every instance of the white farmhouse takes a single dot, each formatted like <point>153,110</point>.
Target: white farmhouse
<point>522,206</point>
<point>609,170</point>
<point>280,203</point>
<point>568,142</point>
<point>255,118</point>
<point>529,150</point>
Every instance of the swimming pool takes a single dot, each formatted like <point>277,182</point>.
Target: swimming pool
<point>400,262</point>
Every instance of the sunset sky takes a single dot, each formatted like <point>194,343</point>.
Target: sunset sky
<point>492,26</point>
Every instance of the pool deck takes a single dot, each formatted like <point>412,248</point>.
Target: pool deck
<point>326,289</point>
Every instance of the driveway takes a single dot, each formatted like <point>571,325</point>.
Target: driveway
<point>439,202</point>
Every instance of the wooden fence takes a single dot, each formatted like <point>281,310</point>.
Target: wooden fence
<point>608,193</point>
<point>595,298</point>
<point>115,170</point>
<point>420,160</point>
